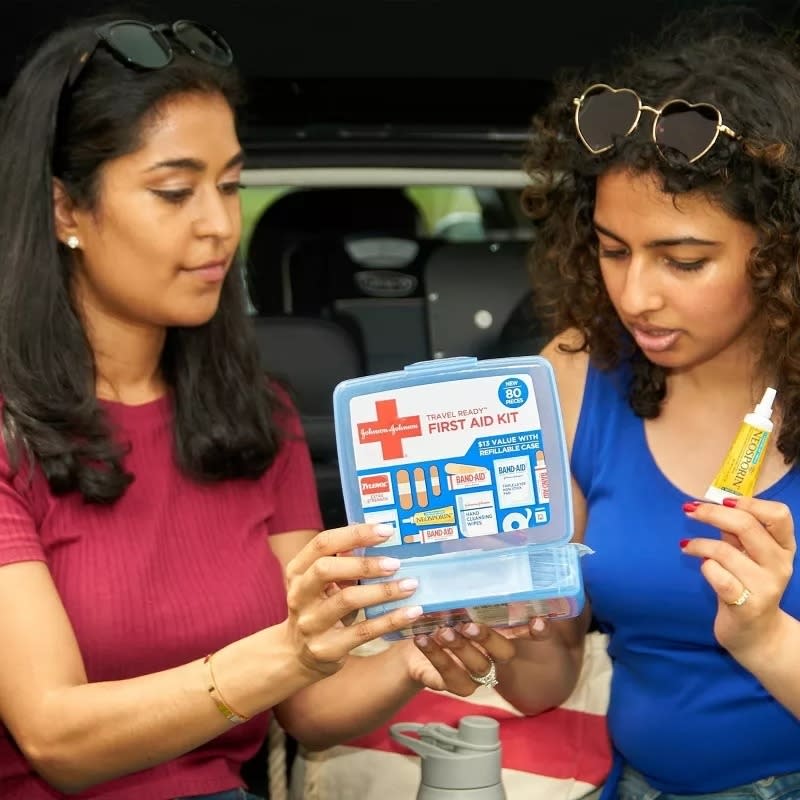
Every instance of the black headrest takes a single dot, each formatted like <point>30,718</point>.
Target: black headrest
<point>327,268</point>
<point>310,356</point>
<point>311,212</point>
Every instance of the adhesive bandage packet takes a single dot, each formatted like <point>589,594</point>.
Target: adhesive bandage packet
<point>467,461</point>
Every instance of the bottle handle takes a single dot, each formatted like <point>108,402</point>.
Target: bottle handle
<point>431,734</point>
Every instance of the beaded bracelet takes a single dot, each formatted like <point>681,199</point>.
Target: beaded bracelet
<point>215,694</point>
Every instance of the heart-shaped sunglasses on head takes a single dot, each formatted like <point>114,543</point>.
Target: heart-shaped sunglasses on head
<point>603,114</point>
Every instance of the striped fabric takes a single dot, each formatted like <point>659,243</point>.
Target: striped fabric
<point>563,754</point>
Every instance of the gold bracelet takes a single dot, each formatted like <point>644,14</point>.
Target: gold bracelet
<point>215,694</point>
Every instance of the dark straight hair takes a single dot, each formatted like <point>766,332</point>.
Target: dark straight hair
<point>225,423</point>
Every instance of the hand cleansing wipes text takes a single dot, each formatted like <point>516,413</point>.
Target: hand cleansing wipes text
<point>467,461</point>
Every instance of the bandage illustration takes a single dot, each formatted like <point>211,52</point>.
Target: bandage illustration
<point>404,497</point>
<point>460,469</point>
<point>439,533</point>
<point>420,487</point>
<point>542,478</point>
<point>436,487</point>
<point>464,476</point>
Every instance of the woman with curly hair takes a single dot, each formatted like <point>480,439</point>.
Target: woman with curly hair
<point>668,254</point>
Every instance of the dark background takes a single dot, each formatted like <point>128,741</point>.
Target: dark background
<point>432,62</point>
<point>302,38</point>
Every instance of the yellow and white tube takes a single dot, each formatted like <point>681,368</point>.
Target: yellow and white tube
<point>739,471</point>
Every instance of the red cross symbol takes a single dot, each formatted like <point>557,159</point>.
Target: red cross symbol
<point>389,429</point>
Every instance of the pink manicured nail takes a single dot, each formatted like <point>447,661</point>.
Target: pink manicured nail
<point>730,502</point>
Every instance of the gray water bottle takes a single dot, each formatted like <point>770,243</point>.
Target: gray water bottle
<point>463,763</point>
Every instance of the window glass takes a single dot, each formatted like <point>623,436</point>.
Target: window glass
<point>448,212</point>
<point>254,200</point>
<point>453,213</point>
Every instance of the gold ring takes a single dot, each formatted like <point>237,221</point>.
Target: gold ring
<point>742,598</point>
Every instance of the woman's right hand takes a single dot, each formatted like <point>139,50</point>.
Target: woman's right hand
<point>322,592</point>
<point>460,652</point>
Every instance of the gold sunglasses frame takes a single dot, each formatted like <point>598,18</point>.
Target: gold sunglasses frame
<point>657,112</point>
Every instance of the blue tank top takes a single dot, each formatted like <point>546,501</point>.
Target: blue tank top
<point>682,711</point>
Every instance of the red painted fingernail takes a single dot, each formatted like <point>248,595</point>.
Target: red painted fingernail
<point>683,543</point>
<point>730,502</point>
<point>690,507</point>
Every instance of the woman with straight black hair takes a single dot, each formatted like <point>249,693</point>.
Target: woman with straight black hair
<point>161,583</point>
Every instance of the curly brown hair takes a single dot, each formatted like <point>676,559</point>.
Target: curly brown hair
<point>755,83</point>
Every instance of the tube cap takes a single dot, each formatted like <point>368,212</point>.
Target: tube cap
<point>764,408</point>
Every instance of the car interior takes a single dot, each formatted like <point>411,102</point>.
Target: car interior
<point>384,141</point>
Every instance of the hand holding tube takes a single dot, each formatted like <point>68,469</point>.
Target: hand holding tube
<point>749,581</point>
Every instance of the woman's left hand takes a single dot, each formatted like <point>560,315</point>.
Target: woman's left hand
<point>749,567</point>
<point>447,660</point>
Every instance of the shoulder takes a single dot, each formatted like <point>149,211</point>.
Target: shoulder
<point>571,366</point>
<point>17,466</point>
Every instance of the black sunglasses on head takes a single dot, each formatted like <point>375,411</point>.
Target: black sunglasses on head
<point>140,45</point>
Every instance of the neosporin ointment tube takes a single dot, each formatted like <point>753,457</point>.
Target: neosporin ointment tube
<point>739,471</point>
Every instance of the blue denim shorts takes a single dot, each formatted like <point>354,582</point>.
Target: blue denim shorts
<point>633,786</point>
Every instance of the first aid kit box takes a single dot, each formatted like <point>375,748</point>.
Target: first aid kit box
<point>466,459</point>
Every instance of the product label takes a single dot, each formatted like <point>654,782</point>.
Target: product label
<point>739,472</point>
<point>451,460</point>
<point>514,481</point>
<point>376,490</point>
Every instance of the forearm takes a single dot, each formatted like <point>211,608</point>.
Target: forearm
<point>362,696</point>
<point>774,662</point>
<point>543,674</point>
<point>83,735</point>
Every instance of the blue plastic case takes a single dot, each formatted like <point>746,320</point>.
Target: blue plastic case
<point>467,460</point>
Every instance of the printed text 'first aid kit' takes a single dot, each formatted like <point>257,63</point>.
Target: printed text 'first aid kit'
<point>467,461</point>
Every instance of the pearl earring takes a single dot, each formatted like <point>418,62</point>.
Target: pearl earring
<point>73,242</point>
